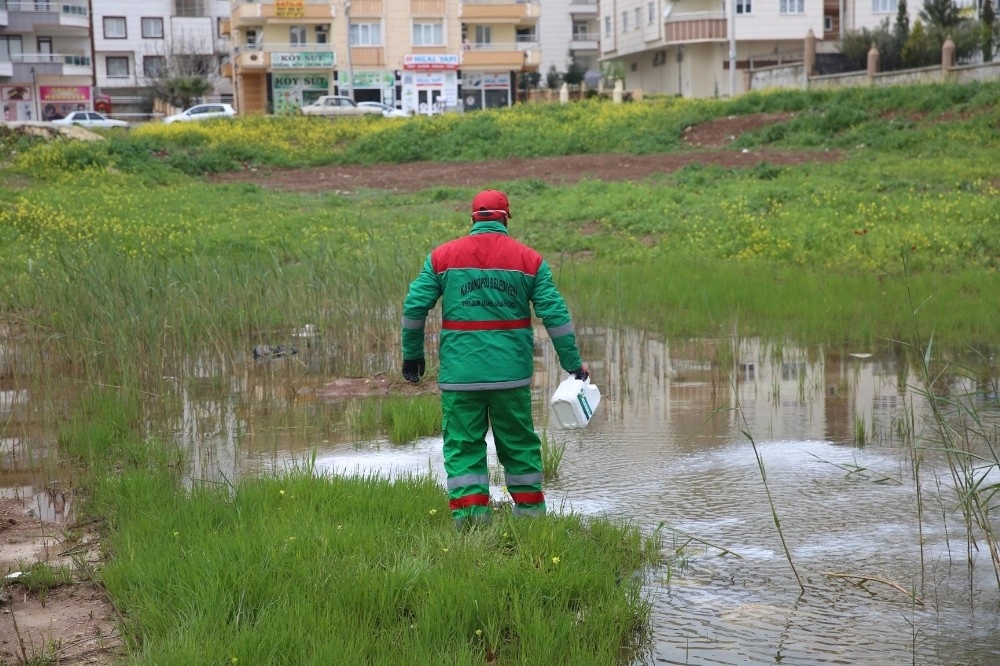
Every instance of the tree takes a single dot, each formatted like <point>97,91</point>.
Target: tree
<point>179,75</point>
<point>920,50</point>
<point>574,74</point>
<point>940,14</point>
<point>988,24</point>
<point>901,29</point>
<point>553,78</point>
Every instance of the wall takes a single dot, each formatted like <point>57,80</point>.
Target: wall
<point>793,76</point>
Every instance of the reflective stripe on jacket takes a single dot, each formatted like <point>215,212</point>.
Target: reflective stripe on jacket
<point>487,283</point>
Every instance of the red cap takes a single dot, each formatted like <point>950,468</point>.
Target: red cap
<point>490,205</point>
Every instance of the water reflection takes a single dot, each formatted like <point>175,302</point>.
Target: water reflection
<point>834,430</point>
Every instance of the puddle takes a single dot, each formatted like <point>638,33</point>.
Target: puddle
<point>667,446</point>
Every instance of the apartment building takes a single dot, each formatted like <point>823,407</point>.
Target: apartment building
<point>568,31</point>
<point>424,56</point>
<point>138,44</point>
<point>686,47</point>
<point>45,61</point>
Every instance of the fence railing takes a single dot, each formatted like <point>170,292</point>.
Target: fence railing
<point>69,8</point>
<point>51,59</point>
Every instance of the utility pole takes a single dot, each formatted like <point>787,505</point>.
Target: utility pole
<point>732,48</point>
<point>350,68</point>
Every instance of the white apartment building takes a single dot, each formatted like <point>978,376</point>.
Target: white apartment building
<point>45,61</point>
<point>568,29</point>
<point>136,42</point>
<point>685,47</point>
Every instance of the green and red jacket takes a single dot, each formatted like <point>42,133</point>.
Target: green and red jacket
<point>487,283</point>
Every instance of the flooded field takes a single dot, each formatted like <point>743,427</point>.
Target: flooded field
<point>875,562</point>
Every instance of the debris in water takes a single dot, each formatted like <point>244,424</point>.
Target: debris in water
<point>261,352</point>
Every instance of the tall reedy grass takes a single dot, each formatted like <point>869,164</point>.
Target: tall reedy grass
<point>964,426</point>
<point>400,419</point>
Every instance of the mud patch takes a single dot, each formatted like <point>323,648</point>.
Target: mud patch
<point>723,131</point>
<point>416,176</point>
<point>367,387</point>
<point>71,624</point>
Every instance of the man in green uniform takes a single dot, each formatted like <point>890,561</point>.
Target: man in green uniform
<point>487,283</point>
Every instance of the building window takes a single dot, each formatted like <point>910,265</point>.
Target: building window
<point>791,7</point>
<point>153,66</point>
<point>827,23</point>
<point>883,6</point>
<point>638,17</point>
<point>322,35</point>
<point>366,34</point>
<point>624,21</point>
<point>252,36</point>
<point>189,8</point>
<point>114,27</point>
<point>744,7</point>
<point>10,45</point>
<point>651,13</point>
<point>428,34</point>
<point>607,26</point>
<point>484,34</point>
<point>117,67</point>
<point>297,35</point>
<point>152,27</point>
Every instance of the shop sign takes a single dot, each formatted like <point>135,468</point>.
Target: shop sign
<point>290,8</point>
<point>301,82</point>
<point>368,79</point>
<point>306,60</point>
<point>58,101</point>
<point>430,61</point>
<point>495,80</point>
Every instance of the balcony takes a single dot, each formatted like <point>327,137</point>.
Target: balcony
<point>52,64</point>
<point>368,56</point>
<point>689,27</point>
<point>27,14</point>
<point>284,56</point>
<point>500,55</point>
<point>427,8</point>
<point>583,8</point>
<point>363,8</point>
<point>500,11</point>
<point>225,27</point>
<point>585,41</point>
<point>255,12</point>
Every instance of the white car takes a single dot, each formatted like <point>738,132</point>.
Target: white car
<point>387,111</point>
<point>338,106</point>
<point>90,119</point>
<point>202,112</point>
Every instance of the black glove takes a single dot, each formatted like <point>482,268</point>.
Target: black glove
<point>413,369</point>
<point>582,374</point>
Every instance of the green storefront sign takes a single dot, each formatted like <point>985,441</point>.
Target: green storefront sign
<point>368,79</point>
<point>310,60</point>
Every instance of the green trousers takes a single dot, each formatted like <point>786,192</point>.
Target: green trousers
<point>466,417</point>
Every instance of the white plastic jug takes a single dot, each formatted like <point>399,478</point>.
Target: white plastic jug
<point>574,402</point>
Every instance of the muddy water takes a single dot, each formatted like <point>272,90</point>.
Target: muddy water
<point>675,443</point>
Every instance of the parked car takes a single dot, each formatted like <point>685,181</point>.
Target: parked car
<point>90,119</point>
<point>337,105</point>
<point>202,112</point>
<point>386,110</point>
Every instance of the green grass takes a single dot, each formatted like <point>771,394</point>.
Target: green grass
<point>400,419</point>
<point>312,569</point>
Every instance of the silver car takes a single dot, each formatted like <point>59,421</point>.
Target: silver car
<point>202,112</point>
